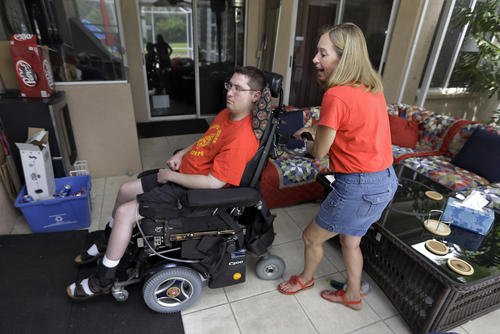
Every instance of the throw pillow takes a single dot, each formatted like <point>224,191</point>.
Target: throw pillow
<point>480,155</point>
<point>290,122</point>
<point>404,133</point>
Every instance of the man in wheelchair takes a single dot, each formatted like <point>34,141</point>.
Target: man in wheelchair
<point>217,160</point>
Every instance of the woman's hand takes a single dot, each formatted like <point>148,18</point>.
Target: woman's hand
<point>311,130</point>
<point>163,175</point>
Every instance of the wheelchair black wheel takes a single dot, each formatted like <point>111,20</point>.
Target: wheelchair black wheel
<point>172,290</point>
<point>270,267</point>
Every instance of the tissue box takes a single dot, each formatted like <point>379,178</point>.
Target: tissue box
<point>478,221</point>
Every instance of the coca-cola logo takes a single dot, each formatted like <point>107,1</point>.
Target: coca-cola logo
<point>26,73</point>
<point>23,37</point>
<point>47,70</point>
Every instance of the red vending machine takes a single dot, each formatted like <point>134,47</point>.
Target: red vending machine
<point>32,66</point>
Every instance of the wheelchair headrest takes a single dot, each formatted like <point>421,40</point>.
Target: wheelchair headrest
<point>261,113</point>
<point>274,81</point>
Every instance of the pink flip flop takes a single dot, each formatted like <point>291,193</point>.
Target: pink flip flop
<point>340,295</point>
<point>294,280</point>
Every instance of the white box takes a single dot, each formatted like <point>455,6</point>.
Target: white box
<point>161,101</point>
<point>37,164</point>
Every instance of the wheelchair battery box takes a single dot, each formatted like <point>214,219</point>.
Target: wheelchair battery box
<point>232,270</point>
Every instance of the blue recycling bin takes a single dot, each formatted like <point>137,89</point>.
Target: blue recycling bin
<point>60,213</point>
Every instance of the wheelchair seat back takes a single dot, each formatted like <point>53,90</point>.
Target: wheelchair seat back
<point>264,123</point>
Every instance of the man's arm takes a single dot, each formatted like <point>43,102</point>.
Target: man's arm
<point>192,181</point>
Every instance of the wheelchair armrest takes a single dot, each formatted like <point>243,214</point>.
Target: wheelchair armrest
<point>221,198</point>
<point>147,172</point>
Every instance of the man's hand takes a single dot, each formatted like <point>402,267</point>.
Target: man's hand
<point>163,175</point>
<point>175,161</point>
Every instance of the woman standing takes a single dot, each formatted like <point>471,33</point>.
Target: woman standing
<point>354,130</point>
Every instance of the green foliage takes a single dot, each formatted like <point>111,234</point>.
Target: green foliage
<point>173,28</point>
<point>481,69</point>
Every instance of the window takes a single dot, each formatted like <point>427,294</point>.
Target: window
<point>82,35</point>
<point>454,49</point>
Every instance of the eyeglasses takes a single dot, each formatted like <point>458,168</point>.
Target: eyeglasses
<point>228,85</point>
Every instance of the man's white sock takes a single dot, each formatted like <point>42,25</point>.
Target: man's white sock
<point>93,250</point>
<point>109,263</point>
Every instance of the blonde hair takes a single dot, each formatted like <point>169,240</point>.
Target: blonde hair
<point>354,67</point>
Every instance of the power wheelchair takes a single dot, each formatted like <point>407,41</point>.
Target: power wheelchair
<point>176,256</point>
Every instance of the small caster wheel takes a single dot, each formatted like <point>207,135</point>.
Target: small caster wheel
<point>120,294</point>
<point>270,267</point>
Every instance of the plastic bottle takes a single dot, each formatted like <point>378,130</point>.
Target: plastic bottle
<point>365,286</point>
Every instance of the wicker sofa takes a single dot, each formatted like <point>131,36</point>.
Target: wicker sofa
<point>290,179</point>
<point>440,139</point>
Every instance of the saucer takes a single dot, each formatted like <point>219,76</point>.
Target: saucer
<point>434,195</point>
<point>437,227</point>
<point>460,266</point>
<point>436,247</point>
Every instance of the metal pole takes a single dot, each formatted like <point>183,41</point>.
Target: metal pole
<point>412,51</point>
<point>388,34</point>
<point>340,12</point>
<point>436,50</point>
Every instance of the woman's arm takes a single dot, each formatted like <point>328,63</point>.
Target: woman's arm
<point>323,140</point>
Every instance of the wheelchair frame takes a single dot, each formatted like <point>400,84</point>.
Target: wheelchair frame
<point>174,283</point>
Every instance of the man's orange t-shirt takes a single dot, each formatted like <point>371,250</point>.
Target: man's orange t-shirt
<point>223,150</point>
<point>363,138</point>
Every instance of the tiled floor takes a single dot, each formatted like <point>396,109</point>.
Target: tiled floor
<point>255,306</point>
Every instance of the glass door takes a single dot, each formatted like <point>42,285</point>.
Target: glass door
<point>372,16</point>
<point>167,37</point>
<point>221,31</point>
<point>304,90</point>
<point>190,49</point>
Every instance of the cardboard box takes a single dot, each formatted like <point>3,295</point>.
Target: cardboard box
<point>37,164</point>
<point>478,221</point>
<point>32,66</point>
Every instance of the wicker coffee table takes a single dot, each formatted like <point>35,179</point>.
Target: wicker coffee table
<point>427,293</point>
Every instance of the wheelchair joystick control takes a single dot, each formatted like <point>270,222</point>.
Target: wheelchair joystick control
<point>307,136</point>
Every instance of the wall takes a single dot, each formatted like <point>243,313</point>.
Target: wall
<point>6,67</point>
<point>284,39</point>
<point>404,31</point>
<point>9,213</point>
<point>476,107</point>
<point>102,115</point>
<point>104,125</point>
<point>424,45</point>
<point>135,59</point>
<point>255,25</point>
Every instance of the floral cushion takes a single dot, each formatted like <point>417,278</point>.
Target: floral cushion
<point>311,116</point>
<point>439,169</point>
<point>401,153</point>
<point>296,169</point>
<point>432,131</point>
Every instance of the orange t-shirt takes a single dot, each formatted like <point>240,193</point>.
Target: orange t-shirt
<point>223,150</point>
<point>363,138</point>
